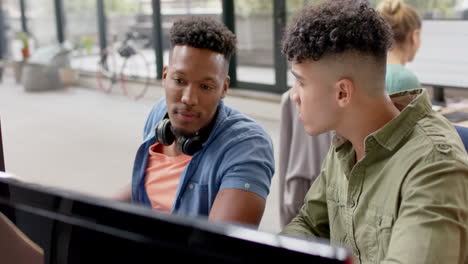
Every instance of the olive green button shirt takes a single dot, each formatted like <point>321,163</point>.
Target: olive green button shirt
<point>405,201</point>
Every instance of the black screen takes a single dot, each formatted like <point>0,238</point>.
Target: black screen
<point>2,158</point>
<point>75,228</point>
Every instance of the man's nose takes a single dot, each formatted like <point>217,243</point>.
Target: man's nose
<point>189,96</point>
<point>294,95</point>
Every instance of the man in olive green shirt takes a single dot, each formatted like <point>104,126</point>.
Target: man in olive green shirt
<point>394,185</point>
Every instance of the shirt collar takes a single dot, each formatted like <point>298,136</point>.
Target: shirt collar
<point>413,105</point>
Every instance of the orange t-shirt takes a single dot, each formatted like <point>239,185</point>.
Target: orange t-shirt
<point>162,177</point>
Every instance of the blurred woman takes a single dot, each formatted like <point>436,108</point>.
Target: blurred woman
<point>406,26</point>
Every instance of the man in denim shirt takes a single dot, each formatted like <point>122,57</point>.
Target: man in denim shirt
<point>200,157</point>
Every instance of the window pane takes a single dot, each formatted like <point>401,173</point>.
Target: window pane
<point>172,10</point>
<point>132,20</point>
<point>12,25</point>
<point>81,32</point>
<point>292,7</point>
<point>254,30</point>
<point>40,15</point>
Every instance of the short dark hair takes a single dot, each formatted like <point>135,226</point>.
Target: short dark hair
<point>203,33</point>
<point>334,27</point>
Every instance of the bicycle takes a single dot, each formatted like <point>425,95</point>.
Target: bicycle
<point>122,62</point>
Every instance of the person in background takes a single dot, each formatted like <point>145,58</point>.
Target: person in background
<point>406,27</point>
<point>299,162</point>
<point>301,155</point>
<point>200,157</point>
<point>394,186</point>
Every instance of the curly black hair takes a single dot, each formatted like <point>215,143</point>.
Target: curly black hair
<point>203,33</point>
<point>335,27</point>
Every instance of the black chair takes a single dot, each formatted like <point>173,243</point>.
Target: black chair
<point>463,133</point>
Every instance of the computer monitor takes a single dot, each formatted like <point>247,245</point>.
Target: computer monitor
<point>76,228</point>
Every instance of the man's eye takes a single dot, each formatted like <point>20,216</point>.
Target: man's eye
<point>178,81</point>
<point>206,87</point>
<point>300,84</point>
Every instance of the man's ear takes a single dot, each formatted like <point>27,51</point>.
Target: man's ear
<point>225,86</point>
<point>345,89</point>
<point>164,75</point>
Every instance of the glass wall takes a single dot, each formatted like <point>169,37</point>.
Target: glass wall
<point>131,20</point>
<point>444,34</point>
<point>12,26</point>
<point>438,9</point>
<point>81,33</point>
<point>293,6</point>
<point>172,10</point>
<point>254,30</point>
<point>40,21</point>
<point>40,16</point>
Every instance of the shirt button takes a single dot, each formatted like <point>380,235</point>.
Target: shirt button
<point>351,203</point>
<point>191,186</point>
<point>247,186</point>
<point>444,148</point>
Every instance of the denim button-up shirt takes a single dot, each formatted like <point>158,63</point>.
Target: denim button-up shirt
<point>237,154</point>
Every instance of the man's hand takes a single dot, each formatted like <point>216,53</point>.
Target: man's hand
<point>124,195</point>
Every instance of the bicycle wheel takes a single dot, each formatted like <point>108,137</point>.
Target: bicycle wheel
<point>134,76</point>
<point>107,75</point>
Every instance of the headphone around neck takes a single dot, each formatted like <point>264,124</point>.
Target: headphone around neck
<point>188,145</point>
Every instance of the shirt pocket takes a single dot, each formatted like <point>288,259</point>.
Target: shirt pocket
<point>385,234</point>
<point>195,200</point>
<point>377,235</point>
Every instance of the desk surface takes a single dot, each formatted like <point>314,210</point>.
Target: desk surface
<point>456,106</point>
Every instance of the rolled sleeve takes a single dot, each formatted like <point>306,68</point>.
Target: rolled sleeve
<point>250,166</point>
<point>247,185</point>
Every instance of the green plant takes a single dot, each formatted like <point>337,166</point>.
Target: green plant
<point>87,43</point>
<point>24,38</point>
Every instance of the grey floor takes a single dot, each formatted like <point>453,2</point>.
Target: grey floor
<point>83,140</point>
